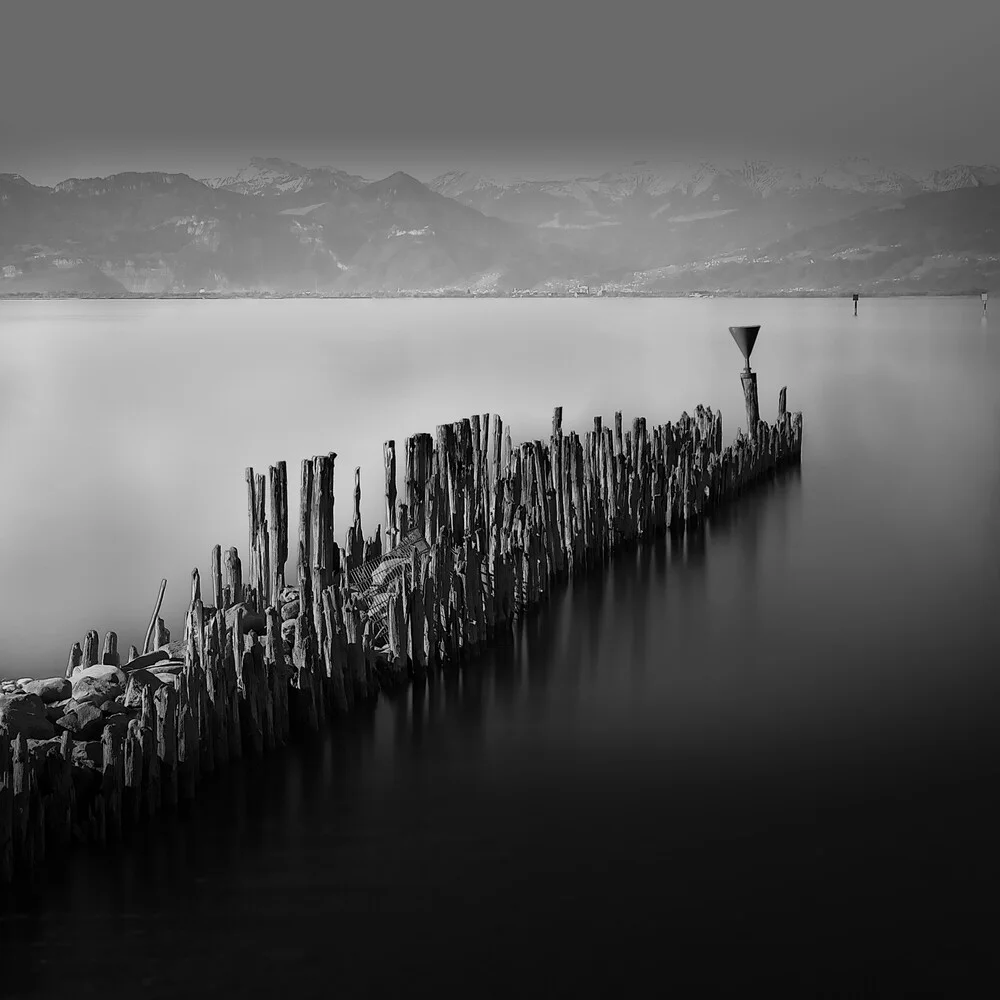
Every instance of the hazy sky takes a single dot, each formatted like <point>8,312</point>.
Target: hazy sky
<point>100,86</point>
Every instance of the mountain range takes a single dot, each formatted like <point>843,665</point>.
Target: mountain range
<point>274,226</point>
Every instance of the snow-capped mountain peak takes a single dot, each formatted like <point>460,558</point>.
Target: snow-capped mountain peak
<point>860,173</point>
<point>455,183</point>
<point>270,176</point>
<point>656,180</point>
<point>960,176</point>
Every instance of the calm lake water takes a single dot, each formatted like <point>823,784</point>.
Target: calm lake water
<point>769,753</point>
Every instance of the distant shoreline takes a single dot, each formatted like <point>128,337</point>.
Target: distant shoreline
<point>209,296</point>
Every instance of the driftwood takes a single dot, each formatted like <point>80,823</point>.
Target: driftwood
<point>155,616</point>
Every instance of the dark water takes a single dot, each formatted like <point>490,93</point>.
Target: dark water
<point>766,755</point>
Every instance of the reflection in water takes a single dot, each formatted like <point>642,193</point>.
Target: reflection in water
<point>640,599</point>
<point>562,785</point>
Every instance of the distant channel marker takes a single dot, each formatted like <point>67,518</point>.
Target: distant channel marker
<point>746,337</point>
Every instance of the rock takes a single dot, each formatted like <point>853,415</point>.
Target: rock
<point>97,684</point>
<point>88,753</point>
<point>113,707</point>
<point>168,667</point>
<point>96,690</point>
<point>88,767</point>
<point>57,709</point>
<point>39,749</point>
<point>137,681</point>
<point>86,722</point>
<point>290,610</point>
<point>286,648</point>
<point>21,681</point>
<point>100,670</point>
<point>288,594</point>
<point>146,660</point>
<point>50,689</point>
<point>288,631</point>
<point>176,648</point>
<point>169,678</point>
<point>252,622</point>
<point>24,714</point>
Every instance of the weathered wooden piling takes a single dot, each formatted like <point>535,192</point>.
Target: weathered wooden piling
<point>278,522</point>
<point>483,534</point>
<point>6,808</point>
<point>154,617</point>
<point>233,577</point>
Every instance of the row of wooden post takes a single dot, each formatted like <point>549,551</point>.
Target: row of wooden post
<point>498,527</point>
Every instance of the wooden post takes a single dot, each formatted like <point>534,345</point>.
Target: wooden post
<point>262,557</point>
<point>749,380</point>
<point>165,699</point>
<point>152,794</point>
<point>328,550</point>
<point>161,635</point>
<point>24,809</point>
<point>355,534</point>
<point>216,571</point>
<point>234,575</point>
<point>253,529</point>
<point>391,527</point>
<point>188,743</point>
<point>110,655</point>
<point>75,659</point>
<point>91,645</point>
<point>335,653</point>
<point>61,799</point>
<point>317,525</point>
<point>113,747</point>
<point>278,526</point>
<point>6,810</point>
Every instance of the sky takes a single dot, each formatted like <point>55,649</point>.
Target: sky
<point>524,87</point>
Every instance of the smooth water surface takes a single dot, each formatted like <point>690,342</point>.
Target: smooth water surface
<point>768,752</point>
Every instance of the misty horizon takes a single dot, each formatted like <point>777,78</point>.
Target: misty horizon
<point>589,168</point>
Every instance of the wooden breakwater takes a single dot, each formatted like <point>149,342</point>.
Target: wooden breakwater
<point>481,532</point>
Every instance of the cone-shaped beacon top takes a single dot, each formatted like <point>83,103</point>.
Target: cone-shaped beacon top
<point>745,337</point>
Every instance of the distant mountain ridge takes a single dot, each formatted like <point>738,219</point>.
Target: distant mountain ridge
<point>270,176</point>
<point>679,226</point>
<point>764,177</point>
